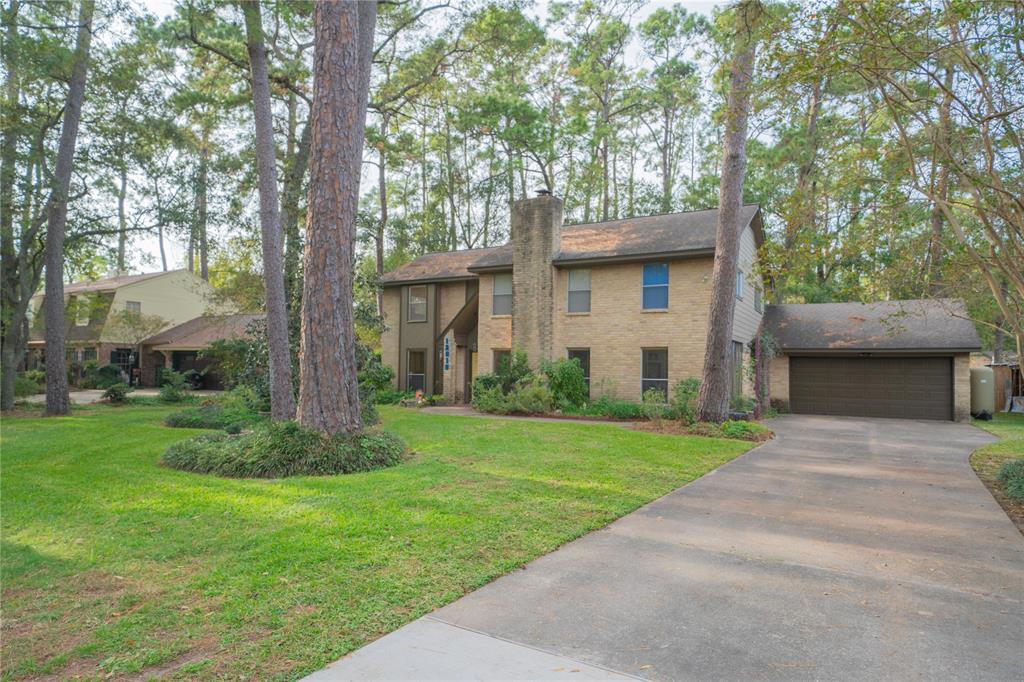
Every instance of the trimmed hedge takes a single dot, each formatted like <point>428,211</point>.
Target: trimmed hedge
<point>1011,475</point>
<point>282,449</point>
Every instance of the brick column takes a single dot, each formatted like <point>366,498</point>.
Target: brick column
<point>536,230</point>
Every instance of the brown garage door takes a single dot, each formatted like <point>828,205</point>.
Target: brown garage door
<point>907,388</point>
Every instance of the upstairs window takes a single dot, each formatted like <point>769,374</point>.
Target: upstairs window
<point>758,302</point>
<point>501,299</point>
<point>133,307</point>
<point>654,370</point>
<point>417,311</point>
<point>655,295</point>
<point>579,291</point>
<point>739,284</point>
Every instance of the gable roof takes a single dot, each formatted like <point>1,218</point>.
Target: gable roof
<point>921,324</point>
<point>199,332</point>
<point>667,235</point>
<point>111,283</point>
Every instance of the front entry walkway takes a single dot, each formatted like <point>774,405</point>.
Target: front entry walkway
<point>845,549</point>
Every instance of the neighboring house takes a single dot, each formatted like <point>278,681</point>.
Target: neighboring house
<point>179,347</point>
<point>92,331</point>
<point>630,299</point>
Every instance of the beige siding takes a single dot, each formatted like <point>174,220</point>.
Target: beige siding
<point>616,329</point>
<point>177,297</point>
<point>389,339</point>
<point>493,332</point>
<point>746,319</point>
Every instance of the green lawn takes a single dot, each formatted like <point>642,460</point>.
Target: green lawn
<point>112,565</point>
<point>987,460</point>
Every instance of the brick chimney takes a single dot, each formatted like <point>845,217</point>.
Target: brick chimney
<point>536,232</point>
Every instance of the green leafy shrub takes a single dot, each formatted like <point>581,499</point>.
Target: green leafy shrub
<point>490,399</point>
<point>567,383</point>
<point>174,385</point>
<point>653,405</point>
<point>233,428</point>
<point>742,403</point>
<point>531,396</point>
<point>1011,475</point>
<point>392,397</point>
<point>513,370</point>
<point>36,375</point>
<point>742,430</point>
<point>614,408</point>
<point>684,400</point>
<point>95,375</point>
<point>239,406</point>
<point>24,387</point>
<point>281,449</point>
<point>484,382</point>
<point>117,394</point>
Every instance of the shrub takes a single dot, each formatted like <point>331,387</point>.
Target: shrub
<point>484,382</point>
<point>653,406</point>
<point>614,408</point>
<point>565,378</point>
<point>174,385</point>
<point>24,387</point>
<point>1011,475</point>
<point>490,399</point>
<point>743,430</point>
<point>95,375</point>
<point>233,428</point>
<point>117,394</point>
<point>280,449</point>
<point>514,370</point>
<point>742,403</point>
<point>36,375</point>
<point>392,397</point>
<point>239,406</point>
<point>684,400</point>
<point>531,396</point>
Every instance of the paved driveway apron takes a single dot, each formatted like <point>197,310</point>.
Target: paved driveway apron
<point>844,549</point>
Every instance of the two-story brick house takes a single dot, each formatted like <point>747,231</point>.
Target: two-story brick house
<point>628,298</point>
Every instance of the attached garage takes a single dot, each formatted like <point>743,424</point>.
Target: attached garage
<point>897,359</point>
<point>901,387</point>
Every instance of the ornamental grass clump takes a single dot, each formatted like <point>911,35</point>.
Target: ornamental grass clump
<point>1011,475</point>
<point>282,449</point>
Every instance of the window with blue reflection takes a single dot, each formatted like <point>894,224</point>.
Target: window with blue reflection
<point>655,286</point>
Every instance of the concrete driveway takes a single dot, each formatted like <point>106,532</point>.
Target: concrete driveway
<point>846,549</point>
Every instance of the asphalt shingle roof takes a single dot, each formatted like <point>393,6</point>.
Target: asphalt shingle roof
<point>199,332</point>
<point>668,234</point>
<point>938,324</point>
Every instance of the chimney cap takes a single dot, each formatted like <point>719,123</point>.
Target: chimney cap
<point>544,192</point>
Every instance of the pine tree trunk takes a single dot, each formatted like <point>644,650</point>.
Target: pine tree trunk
<point>290,197</point>
<point>57,401</point>
<point>382,190</point>
<point>343,53</point>
<point>713,400</point>
<point>9,341</point>
<point>201,242</point>
<point>282,402</point>
<point>935,286</point>
<point>122,219</point>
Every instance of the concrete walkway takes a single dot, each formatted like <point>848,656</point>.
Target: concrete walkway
<point>92,395</point>
<point>845,549</point>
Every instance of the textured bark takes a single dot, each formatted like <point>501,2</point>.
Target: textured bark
<point>935,285</point>
<point>713,400</point>
<point>9,341</point>
<point>122,220</point>
<point>57,401</point>
<point>201,209</point>
<point>343,52</point>
<point>282,402</point>
<point>382,223</point>
<point>290,196</point>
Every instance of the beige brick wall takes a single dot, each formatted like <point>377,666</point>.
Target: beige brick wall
<point>962,387</point>
<point>452,298</point>
<point>778,380</point>
<point>493,332</point>
<point>616,329</point>
<point>389,339</point>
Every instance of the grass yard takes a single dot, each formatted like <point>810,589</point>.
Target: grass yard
<point>114,567</point>
<point>987,460</point>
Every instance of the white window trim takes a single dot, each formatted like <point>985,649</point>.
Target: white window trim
<point>408,303</point>
<point>494,294</point>
<point>740,281</point>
